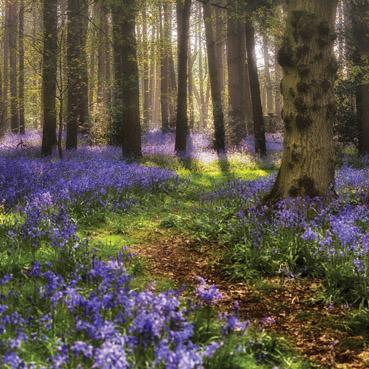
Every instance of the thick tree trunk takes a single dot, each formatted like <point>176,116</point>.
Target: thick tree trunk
<point>215,83</point>
<point>236,60</point>
<point>77,104</point>
<point>259,130</point>
<point>310,67</point>
<point>360,28</point>
<point>22,127</point>
<point>129,81</point>
<point>183,21</point>
<point>49,74</point>
<point>13,62</point>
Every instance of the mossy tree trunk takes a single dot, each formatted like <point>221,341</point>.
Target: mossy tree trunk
<point>310,68</point>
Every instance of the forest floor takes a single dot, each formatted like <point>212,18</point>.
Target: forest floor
<point>174,257</point>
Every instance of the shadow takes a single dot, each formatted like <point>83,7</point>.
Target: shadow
<point>186,157</point>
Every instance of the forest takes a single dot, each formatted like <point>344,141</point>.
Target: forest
<point>184,184</point>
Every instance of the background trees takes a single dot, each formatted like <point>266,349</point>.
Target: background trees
<point>227,85</point>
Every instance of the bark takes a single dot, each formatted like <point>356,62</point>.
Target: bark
<point>13,62</point>
<point>164,73</point>
<point>236,61</point>
<point>49,74</point>
<point>259,130</point>
<point>309,65</point>
<point>220,40</point>
<point>115,134</point>
<point>5,115</point>
<point>126,56</point>
<point>183,21</point>
<point>21,67</point>
<point>360,28</point>
<point>277,90</point>
<point>172,83</point>
<point>146,77</point>
<point>215,83</point>
<point>268,79</point>
<point>77,103</point>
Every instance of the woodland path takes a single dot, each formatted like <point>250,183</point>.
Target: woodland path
<point>288,307</point>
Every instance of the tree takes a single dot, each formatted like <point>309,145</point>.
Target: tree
<point>13,62</point>
<point>215,83</point>
<point>257,109</point>
<point>183,21</point>
<point>360,29</point>
<point>236,61</point>
<point>77,102</point>
<point>21,67</point>
<point>309,65</point>
<point>164,72</point>
<point>127,83</point>
<point>49,74</point>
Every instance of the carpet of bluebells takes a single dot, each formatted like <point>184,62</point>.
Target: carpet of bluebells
<point>61,306</point>
<point>299,237</point>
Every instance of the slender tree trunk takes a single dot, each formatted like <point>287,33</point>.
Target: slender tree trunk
<point>172,83</point>
<point>309,65</point>
<point>268,79</point>
<point>49,74</point>
<point>21,67</point>
<point>360,28</point>
<point>278,96</point>
<point>146,79</point>
<point>259,130</point>
<point>5,114</point>
<point>13,25</point>
<point>236,61</point>
<point>183,21</point>
<point>164,74</point>
<point>215,83</point>
<point>191,109</point>
<point>203,119</point>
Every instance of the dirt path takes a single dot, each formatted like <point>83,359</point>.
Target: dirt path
<point>289,307</point>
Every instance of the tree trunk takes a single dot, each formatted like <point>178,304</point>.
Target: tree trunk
<point>145,70</point>
<point>215,83</point>
<point>183,21</point>
<point>172,83</point>
<point>49,74</point>
<point>268,79</point>
<point>12,27</point>
<point>22,127</point>
<point>236,60</point>
<point>77,104</point>
<point>259,130</point>
<point>164,73</point>
<point>309,65</point>
<point>5,115</point>
<point>360,28</point>
<point>126,55</point>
